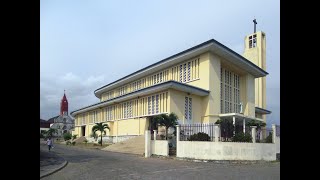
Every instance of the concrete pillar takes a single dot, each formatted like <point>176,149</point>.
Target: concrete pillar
<point>216,132</point>
<point>147,148</point>
<point>234,125</point>
<point>178,139</point>
<point>274,129</point>
<point>244,126</point>
<point>154,135</point>
<point>178,133</point>
<point>253,130</point>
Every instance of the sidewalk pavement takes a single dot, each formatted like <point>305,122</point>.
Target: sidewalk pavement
<point>50,162</point>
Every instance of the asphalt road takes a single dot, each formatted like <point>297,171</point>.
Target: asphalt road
<point>97,164</point>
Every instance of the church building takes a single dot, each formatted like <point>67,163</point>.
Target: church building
<point>64,122</point>
<point>202,84</point>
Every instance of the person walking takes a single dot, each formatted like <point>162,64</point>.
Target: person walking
<point>49,143</point>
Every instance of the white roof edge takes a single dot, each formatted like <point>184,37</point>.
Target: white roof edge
<point>149,90</point>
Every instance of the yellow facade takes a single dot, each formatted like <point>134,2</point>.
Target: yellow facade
<point>226,84</point>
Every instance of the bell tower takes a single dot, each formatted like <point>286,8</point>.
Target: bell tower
<point>64,105</point>
<point>255,51</point>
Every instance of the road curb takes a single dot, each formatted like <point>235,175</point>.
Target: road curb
<point>64,164</point>
<point>216,161</point>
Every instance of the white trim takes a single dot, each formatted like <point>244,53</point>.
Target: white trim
<point>136,117</point>
<point>146,92</point>
<point>192,80</point>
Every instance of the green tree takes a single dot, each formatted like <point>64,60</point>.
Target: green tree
<point>51,132</point>
<point>67,136</point>
<point>100,127</point>
<point>170,120</point>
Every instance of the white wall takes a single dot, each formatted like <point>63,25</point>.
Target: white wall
<point>160,147</point>
<point>226,150</point>
<point>277,142</point>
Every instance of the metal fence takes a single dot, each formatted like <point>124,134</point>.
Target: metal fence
<point>189,131</point>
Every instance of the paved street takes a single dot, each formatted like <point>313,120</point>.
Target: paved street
<point>96,164</point>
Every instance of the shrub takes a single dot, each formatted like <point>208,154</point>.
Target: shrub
<point>269,138</point>
<point>41,135</point>
<point>73,143</point>
<point>240,137</point>
<point>162,137</point>
<point>74,137</point>
<point>226,129</point>
<point>68,142</point>
<point>85,141</point>
<point>218,121</point>
<point>94,135</point>
<point>199,137</point>
<point>67,136</point>
<point>99,141</point>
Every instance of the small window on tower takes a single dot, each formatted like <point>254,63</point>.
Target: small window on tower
<point>250,41</point>
<point>254,40</point>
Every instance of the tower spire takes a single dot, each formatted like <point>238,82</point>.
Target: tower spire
<point>64,104</point>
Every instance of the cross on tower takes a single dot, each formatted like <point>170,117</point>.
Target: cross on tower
<point>255,22</point>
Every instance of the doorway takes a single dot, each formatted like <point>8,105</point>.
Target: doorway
<point>83,130</point>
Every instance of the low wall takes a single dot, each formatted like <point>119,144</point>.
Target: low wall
<point>226,150</point>
<point>110,139</point>
<point>160,147</point>
<point>277,142</point>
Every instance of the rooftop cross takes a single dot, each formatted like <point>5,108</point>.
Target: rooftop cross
<point>255,22</point>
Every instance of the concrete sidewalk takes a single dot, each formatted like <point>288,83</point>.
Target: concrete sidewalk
<point>50,162</point>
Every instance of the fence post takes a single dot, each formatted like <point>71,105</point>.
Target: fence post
<point>253,133</point>
<point>178,133</point>
<point>154,135</point>
<point>274,132</point>
<point>216,132</point>
<point>147,147</point>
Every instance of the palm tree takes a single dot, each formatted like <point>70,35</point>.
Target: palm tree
<point>167,120</point>
<point>51,131</point>
<point>100,127</point>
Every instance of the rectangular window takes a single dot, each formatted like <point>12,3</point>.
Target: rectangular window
<point>130,109</point>
<point>149,105</point>
<point>152,104</point>
<point>124,107</point>
<point>188,109</point>
<point>157,103</point>
<point>189,69</point>
<point>229,92</point>
<point>184,72</point>
<point>95,117</point>
<point>180,72</point>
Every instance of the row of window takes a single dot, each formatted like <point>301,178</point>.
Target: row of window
<point>158,77</point>
<point>108,95</point>
<point>184,72</point>
<point>126,109</point>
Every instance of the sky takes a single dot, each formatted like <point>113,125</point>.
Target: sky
<point>87,44</point>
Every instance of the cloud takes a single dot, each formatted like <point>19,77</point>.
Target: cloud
<point>79,92</point>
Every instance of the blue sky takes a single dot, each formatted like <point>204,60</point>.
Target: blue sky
<point>87,44</point>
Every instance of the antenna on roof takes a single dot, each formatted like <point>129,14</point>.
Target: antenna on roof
<point>255,22</point>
